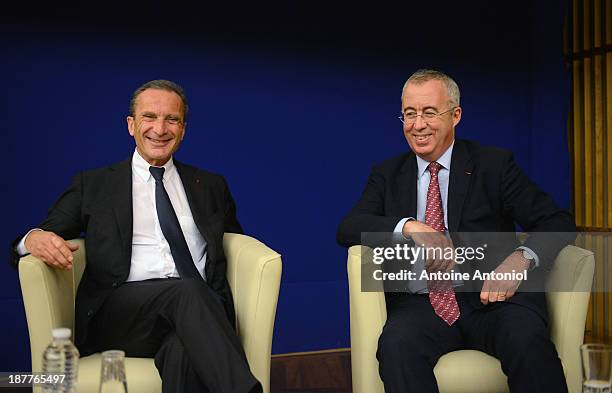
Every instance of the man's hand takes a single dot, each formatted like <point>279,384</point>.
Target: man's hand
<point>51,249</point>
<point>500,290</point>
<point>425,236</point>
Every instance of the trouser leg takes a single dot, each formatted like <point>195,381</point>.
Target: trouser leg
<point>210,342</point>
<point>412,341</point>
<point>138,316</point>
<point>519,338</point>
<point>177,373</point>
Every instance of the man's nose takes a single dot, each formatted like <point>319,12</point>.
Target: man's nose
<point>159,126</point>
<point>419,123</point>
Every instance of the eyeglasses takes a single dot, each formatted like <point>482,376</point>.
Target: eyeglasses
<point>410,117</point>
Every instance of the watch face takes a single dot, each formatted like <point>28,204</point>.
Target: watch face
<point>529,259</point>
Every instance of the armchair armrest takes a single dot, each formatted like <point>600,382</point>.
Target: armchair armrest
<point>568,290</point>
<point>368,313</point>
<point>48,298</point>
<point>254,273</point>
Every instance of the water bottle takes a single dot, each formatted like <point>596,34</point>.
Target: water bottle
<point>61,358</point>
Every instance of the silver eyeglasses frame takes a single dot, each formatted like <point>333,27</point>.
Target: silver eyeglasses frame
<point>425,116</point>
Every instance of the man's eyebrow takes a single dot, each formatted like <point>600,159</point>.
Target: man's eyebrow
<point>148,113</point>
<point>409,108</point>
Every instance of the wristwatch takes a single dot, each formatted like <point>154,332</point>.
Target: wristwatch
<point>527,255</point>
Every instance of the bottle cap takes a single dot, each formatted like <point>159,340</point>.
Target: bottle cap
<point>61,333</point>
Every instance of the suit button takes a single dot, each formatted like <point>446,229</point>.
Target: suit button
<point>89,313</point>
<point>114,285</point>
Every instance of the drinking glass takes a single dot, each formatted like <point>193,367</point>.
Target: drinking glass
<point>112,377</point>
<point>596,368</point>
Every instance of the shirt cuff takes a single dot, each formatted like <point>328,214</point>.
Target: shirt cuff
<point>400,226</point>
<point>536,260</point>
<point>21,248</point>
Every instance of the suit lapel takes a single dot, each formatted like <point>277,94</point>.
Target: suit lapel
<point>193,186</point>
<point>122,203</point>
<point>406,187</point>
<point>459,183</point>
<point>196,198</point>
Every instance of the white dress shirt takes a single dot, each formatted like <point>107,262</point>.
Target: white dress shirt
<point>151,256</point>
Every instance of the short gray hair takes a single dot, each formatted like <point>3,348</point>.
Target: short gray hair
<point>424,75</point>
<point>160,84</point>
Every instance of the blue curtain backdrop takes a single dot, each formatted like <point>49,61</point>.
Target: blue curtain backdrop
<point>293,105</point>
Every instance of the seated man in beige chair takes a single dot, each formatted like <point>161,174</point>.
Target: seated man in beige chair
<point>155,281</point>
<point>444,186</point>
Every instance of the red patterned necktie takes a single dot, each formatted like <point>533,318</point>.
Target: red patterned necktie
<point>441,292</point>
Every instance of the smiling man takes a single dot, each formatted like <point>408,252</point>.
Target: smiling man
<point>445,186</point>
<point>154,143</point>
<point>155,282</point>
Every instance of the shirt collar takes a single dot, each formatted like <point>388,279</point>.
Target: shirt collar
<point>140,167</point>
<point>444,160</point>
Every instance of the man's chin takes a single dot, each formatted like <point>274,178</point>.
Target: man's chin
<point>160,152</point>
<point>159,159</point>
<point>422,151</point>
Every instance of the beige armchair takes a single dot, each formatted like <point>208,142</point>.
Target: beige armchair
<point>253,272</point>
<point>469,371</point>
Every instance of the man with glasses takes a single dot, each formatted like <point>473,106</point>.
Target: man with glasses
<point>445,186</point>
<point>155,283</point>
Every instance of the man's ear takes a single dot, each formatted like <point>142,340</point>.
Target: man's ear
<point>184,130</point>
<point>456,116</point>
<point>131,125</point>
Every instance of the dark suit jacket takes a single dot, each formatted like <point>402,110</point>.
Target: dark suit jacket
<point>487,192</point>
<point>99,204</point>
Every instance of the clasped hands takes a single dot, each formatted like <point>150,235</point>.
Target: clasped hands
<point>51,249</point>
<point>492,290</point>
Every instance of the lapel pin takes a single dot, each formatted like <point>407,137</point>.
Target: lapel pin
<point>468,173</point>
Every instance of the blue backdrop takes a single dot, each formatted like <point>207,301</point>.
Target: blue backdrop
<point>292,105</point>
